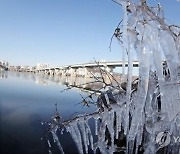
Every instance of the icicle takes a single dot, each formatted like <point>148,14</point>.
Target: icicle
<point>107,98</point>
<point>90,135</point>
<point>49,151</point>
<point>144,66</point>
<point>139,136</point>
<point>76,136</point>
<point>131,43</point>
<point>84,135</point>
<point>49,144</point>
<point>96,126</point>
<point>110,125</point>
<point>171,53</point>
<point>102,147</point>
<point>118,122</point>
<point>55,138</point>
<point>125,18</point>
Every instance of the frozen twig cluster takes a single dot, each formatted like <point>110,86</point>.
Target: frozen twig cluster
<point>129,119</point>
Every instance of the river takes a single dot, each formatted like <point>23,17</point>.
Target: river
<point>27,100</point>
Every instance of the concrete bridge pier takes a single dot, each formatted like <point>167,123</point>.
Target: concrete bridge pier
<point>68,71</point>
<point>73,72</point>
<point>88,72</point>
<point>60,72</point>
<point>85,72</point>
<point>57,71</point>
<point>63,71</point>
<point>41,72</point>
<point>79,72</point>
<point>82,72</point>
<point>52,71</point>
<point>46,72</point>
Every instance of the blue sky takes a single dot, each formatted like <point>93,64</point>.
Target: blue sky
<point>62,32</point>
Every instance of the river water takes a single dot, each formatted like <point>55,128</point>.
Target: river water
<point>28,99</point>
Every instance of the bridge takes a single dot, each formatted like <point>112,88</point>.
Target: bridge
<point>84,70</point>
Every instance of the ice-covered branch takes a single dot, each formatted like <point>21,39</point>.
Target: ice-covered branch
<point>141,113</point>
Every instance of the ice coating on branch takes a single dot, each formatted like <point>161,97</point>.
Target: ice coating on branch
<point>131,119</point>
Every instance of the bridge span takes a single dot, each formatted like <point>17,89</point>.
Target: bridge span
<point>84,70</point>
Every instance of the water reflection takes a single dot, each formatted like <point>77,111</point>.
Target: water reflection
<point>3,74</point>
<point>27,99</point>
<point>43,79</point>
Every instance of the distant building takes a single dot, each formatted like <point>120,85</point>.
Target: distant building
<point>41,66</point>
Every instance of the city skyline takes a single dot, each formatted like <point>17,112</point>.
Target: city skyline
<point>64,32</point>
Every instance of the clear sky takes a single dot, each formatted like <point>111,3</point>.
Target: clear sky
<point>62,32</point>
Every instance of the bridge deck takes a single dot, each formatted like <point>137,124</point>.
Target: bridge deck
<point>91,65</point>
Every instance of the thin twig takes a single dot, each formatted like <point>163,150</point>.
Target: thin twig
<point>114,35</point>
